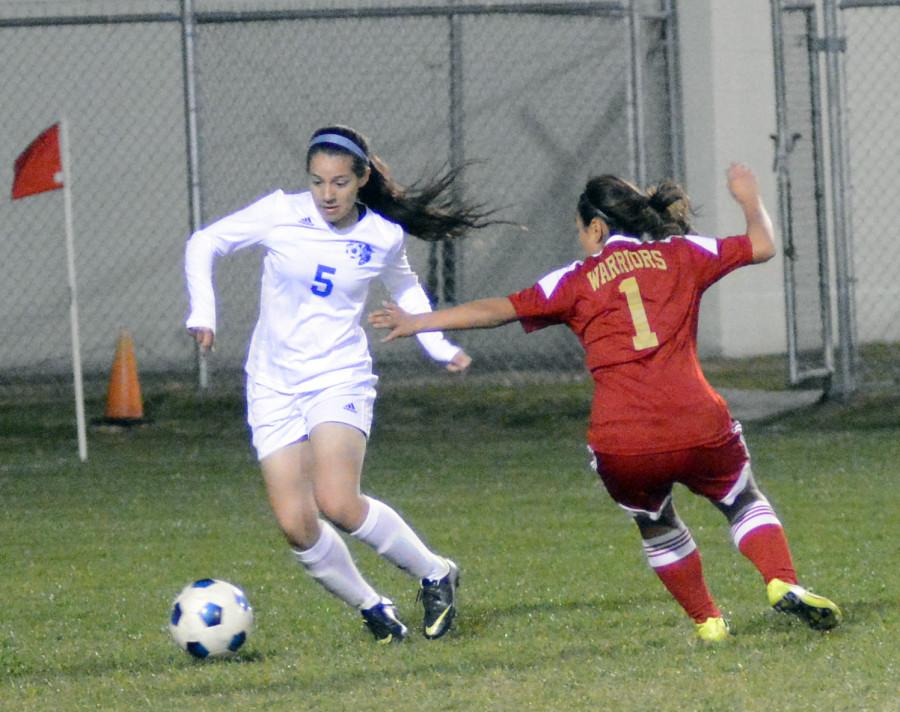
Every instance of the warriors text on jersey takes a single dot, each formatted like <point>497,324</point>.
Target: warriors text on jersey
<point>314,285</point>
<point>634,307</point>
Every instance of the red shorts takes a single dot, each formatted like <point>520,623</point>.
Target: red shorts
<point>644,482</point>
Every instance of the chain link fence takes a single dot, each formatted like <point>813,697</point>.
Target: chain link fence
<point>117,80</point>
<point>801,176</point>
<point>873,100</point>
<point>537,95</point>
<point>838,160</point>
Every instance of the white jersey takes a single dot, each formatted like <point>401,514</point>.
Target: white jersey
<point>315,281</point>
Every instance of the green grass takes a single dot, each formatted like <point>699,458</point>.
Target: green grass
<point>768,372</point>
<point>558,609</point>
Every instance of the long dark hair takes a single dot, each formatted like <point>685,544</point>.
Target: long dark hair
<point>657,212</point>
<point>429,210</point>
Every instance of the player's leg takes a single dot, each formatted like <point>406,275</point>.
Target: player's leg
<point>674,557</point>
<point>339,448</point>
<point>758,534</point>
<point>339,451</point>
<point>385,531</point>
<point>641,485</point>
<point>280,437</point>
<point>756,530</point>
<point>316,545</point>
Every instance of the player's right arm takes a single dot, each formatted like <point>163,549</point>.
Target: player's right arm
<point>244,228</point>
<point>478,314</point>
<point>745,190</point>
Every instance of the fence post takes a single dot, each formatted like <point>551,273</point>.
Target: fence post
<point>834,45</point>
<point>193,153</point>
<point>673,75</point>
<point>783,145</point>
<point>451,249</point>
<point>635,96</point>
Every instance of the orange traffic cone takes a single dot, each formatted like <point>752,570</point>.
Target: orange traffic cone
<point>123,398</point>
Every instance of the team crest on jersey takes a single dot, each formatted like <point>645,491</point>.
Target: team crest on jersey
<point>359,252</point>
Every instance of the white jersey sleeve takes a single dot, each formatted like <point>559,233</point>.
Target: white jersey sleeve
<point>245,228</point>
<point>404,287</point>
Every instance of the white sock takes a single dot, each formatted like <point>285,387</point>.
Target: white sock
<point>386,532</point>
<point>329,562</point>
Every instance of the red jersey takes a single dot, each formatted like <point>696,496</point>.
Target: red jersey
<point>634,307</point>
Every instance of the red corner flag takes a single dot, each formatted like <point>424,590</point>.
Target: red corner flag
<point>39,168</point>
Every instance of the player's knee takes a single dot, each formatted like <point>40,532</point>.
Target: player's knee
<point>749,497</point>
<point>660,523</point>
<point>301,532</point>
<point>345,512</point>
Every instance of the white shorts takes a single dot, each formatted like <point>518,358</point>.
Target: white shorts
<point>280,419</point>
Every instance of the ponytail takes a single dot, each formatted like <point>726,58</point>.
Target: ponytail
<point>673,206</point>
<point>661,211</point>
<point>429,210</point>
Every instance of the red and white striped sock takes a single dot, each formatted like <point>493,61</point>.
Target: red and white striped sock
<point>675,559</point>
<point>758,535</point>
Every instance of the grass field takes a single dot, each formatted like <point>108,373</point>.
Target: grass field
<point>558,609</point>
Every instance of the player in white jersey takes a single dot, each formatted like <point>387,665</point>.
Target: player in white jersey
<point>310,385</point>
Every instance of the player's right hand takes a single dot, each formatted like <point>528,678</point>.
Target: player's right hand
<point>205,338</point>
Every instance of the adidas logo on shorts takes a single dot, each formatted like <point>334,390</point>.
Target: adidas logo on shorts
<point>351,407</point>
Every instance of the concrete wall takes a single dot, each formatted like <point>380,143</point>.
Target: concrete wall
<point>729,114</point>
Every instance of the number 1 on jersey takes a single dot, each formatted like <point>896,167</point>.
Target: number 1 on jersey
<point>643,338</point>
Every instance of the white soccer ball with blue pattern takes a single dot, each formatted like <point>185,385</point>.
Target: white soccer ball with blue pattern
<point>211,618</point>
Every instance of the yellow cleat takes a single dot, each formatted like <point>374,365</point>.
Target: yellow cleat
<point>713,630</point>
<point>817,611</point>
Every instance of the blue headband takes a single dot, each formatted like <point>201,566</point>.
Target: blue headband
<point>341,141</point>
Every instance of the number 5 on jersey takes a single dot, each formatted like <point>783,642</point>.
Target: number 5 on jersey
<point>322,283</point>
<point>643,337</point>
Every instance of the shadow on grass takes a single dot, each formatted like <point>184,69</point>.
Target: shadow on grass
<point>770,622</point>
<point>863,412</point>
<point>244,658</point>
<point>105,666</point>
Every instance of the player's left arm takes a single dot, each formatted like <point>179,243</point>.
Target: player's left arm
<point>478,314</point>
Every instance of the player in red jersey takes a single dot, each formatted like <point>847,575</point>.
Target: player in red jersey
<point>634,305</point>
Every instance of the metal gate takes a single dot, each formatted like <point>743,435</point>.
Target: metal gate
<point>834,83</point>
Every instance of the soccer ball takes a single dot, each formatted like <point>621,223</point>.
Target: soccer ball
<point>210,618</point>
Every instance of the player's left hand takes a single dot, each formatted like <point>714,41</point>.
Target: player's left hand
<point>460,362</point>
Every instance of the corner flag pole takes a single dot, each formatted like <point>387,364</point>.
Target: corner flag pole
<point>73,291</point>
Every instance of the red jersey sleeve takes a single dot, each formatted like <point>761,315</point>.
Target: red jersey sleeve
<point>550,301</point>
<point>712,258</point>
